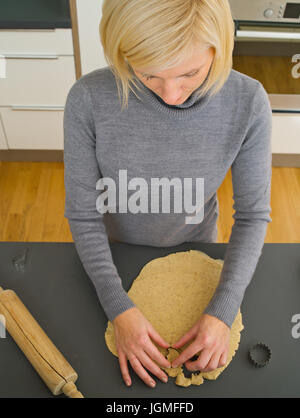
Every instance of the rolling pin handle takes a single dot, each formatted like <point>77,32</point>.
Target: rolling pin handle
<point>71,391</point>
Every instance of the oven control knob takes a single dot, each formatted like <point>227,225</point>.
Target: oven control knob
<point>268,13</point>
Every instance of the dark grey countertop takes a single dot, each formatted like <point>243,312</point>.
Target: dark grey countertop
<point>34,14</point>
<point>52,283</point>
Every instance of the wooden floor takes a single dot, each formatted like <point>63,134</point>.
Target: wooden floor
<point>32,204</point>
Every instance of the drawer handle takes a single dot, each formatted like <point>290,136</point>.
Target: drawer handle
<point>31,56</point>
<point>32,107</point>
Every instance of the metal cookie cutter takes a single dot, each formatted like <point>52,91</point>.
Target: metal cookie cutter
<point>259,355</point>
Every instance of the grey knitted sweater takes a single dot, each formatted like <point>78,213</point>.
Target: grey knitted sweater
<point>201,138</point>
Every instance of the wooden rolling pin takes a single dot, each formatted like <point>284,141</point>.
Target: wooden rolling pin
<point>50,364</point>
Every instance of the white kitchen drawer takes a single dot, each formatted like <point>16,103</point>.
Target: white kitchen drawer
<point>3,144</point>
<point>34,129</point>
<point>286,133</point>
<point>36,41</point>
<point>37,81</point>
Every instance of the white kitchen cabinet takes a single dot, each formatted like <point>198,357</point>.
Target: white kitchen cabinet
<point>30,128</point>
<point>40,70</point>
<point>36,41</point>
<point>37,81</point>
<point>3,144</point>
<point>286,133</point>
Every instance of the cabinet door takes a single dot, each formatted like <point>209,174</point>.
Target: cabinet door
<point>3,144</point>
<point>285,135</point>
<point>33,127</point>
<point>37,81</point>
<point>36,41</point>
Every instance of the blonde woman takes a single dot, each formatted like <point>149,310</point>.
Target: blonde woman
<point>168,105</point>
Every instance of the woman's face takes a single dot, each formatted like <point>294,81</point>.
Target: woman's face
<point>176,84</point>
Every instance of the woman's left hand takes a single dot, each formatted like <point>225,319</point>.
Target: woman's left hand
<point>211,337</point>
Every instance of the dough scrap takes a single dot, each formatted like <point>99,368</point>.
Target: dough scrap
<point>172,292</point>
<point>197,379</point>
<point>181,380</point>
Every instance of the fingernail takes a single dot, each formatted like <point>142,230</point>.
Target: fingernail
<point>174,365</point>
<point>165,379</point>
<point>152,384</point>
<point>127,382</point>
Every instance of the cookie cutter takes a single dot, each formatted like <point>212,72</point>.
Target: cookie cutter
<point>259,354</point>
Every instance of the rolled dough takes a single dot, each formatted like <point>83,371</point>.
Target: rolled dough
<point>172,292</point>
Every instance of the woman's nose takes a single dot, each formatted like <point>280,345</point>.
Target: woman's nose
<point>170,92</point>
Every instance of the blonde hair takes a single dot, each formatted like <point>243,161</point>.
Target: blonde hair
<point>161,34</point>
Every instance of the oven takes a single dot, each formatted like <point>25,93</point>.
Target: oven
<point>267,48</point>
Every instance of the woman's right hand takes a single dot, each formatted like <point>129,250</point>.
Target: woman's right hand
<point>132,337</point>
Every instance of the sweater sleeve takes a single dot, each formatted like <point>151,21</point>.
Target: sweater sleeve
<point>251,179</point>
<point>81,173</point>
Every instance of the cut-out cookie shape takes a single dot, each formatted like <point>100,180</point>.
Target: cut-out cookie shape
<point>172,292</point>
<point>171,356</point>
<point>181,379</point>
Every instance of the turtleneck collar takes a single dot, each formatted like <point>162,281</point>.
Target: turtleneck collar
<point>186,110</point>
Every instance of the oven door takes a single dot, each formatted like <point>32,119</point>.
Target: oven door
<point>270,53</point>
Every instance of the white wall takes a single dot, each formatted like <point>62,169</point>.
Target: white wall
<point>89,14</point>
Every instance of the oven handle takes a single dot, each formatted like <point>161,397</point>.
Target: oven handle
<point>268,35</point>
